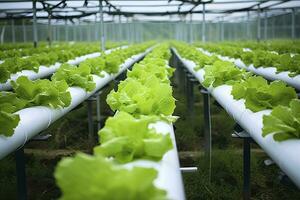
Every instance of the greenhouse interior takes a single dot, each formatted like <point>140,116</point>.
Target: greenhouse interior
<point>149,100</point>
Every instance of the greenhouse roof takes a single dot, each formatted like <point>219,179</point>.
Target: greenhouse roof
<point>163,10</point>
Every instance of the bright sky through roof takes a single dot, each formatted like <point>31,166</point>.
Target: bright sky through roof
<point>158,6</point>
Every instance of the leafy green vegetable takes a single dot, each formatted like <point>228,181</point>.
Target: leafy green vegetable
<point>127,138</point>
<point>283,122</point>
<point>111,62</point>
<point>75,76</point>
<point>30,93</point>
<point>97,65</point>
<point>260,56</point>
<point>9,103</point>
<point>152,97</point>
<point>288,63</point>
<point>40,56</point>
<point>154,66</point>
<point>8,123</point>
<point>222,72</point>
<point>92,177</point>
<point>191,53</point>
<point>260,95</point>
<point>14,65</point>
<point>42,92</point>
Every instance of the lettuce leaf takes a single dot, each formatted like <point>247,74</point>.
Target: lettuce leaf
<point>92,177</point>
<point>127,138</point>
<point>152,97</point>
<point>153,66</point>
<point>42,92</point>
<point>97,65</point>
<point>75,76</point>
<point>8,123</point>
<point>221,73</point>
<point>283,122</point>
<point>259,95</point>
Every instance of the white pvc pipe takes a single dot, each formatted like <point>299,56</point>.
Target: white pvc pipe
<point>33,120</point>
<point>285,154</point>
<point>269,73</point>
<point>45,71</point>
<point>169,174</point>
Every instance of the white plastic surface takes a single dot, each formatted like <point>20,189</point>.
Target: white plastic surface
<point>267,72</point>
<point>47,71</point>
<point>36,119</point>
<point>285,154</point>
<point>169,174</point>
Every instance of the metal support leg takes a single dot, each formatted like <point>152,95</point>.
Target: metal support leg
<point>190,96</point>
<point>21,174</point>
<point>24,30</point>
<point>116,83</point>
<point>102,25</point>
<point>240,133</point>
<point>207,129</point>
<point>246,170</point>
<point>293,23</point>
<point>258,24</point>
<point>187,89</point>
<point>35,37</point>
<point>90,123</point>
<point>203,24</point>
<point>13,33</point>
<point>98,111</point>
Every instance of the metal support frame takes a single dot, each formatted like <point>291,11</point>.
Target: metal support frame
<point>247,140</point>
<point>49,29</point>
<point>248,25</point>
<point>191,28</point>
<point>128,29</point>
<point>95,26</point>
<point>203,24</point>
<point>21,167</point>
<point>94,98</point>
<point>207,129</point>
<point>120,28</point>
<point>90,122</point>
<point>2,34</point>
<point>13,33</point>
<point>188,169</point>
<point>133,31</point>
<point>35,38</point>
<point>102,25</point>
<point>222,29</point>
<point>66,30</point>
<point>273,28</point>
<point>190,95</point>
<point>80,30</point>
<point>24,30</point>
<point>293,24</point>
<point>258,24</point>
<point>265,25</point>
<point>21,174</point>
<point>98,110</point>
<point>74,33</point>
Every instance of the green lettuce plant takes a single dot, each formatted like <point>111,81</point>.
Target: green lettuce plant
<point>221,73</point>
<point>75,76</point>
<point>126,138</point>
<point>283,122</point>
<point>260,95</point>
<point>93,177</point>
